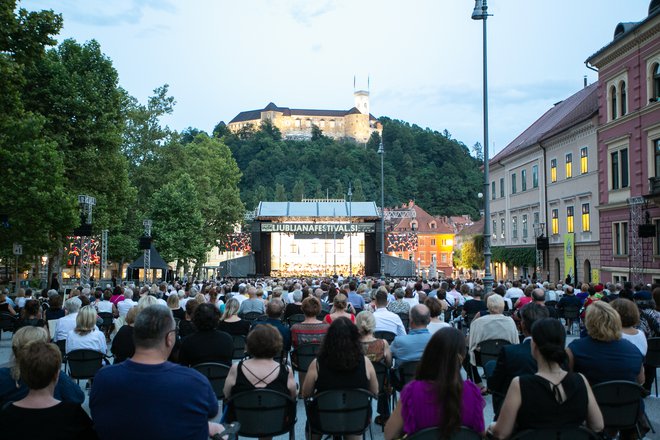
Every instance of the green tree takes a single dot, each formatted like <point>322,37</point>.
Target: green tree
<point>358,191</point>
<point>280,193</point>
<point>298,191</point>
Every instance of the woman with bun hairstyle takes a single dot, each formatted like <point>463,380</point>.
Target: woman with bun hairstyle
<point>552,397</point>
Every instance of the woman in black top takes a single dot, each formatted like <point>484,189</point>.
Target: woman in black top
<point>123,346</point>
<point>340,363</point>
<point>230,322</point>
<point>552,397</point>
<point>207,344</point>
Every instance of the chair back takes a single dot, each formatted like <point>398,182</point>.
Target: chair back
<point>382,375</point>
<point>388,336</point>
<point>321,316</point>
<point>52,326</point>
<point>295,319</point>
<point>339,412</point>
<point>239,347</point>
<point>407,372</point>
<point>216,374</point>
<point>405,319</point>
<point>250,316</point>
<point>107,319</point>
<point>264,413</point>
<point>303,355</point>
<point>7,322</point>
<point>619,402</point>
<point>61,344</point>
<point>575,433</point>
<point>488,350</point>
<point>83,364</point>
<point>464,433</point>
<point>653,352</point>
<point>571,311</point>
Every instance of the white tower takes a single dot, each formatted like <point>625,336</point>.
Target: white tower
<point>362,101</point>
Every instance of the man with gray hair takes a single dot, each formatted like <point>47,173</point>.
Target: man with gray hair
<point>68,322</point>
<point>410,347</point>
<point>158,387</point>
<point>252,304</point>
<point>124,306</point>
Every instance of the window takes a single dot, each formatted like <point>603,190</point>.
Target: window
<point>656,81</point>
<point>569,165</point>
<point>619,170</point>
<point>514,227</point>
<point>524,226</point>
<point>586,219</point>
<point>555,221</point>
<point>523,180</point>
<point>656,243</point>
<point>553,170</point>
<point>433,242</point>
<point>443,257</point>
<point>584,160</point>
<point>503,227</point>
<point>569,219</point>
<point>513,183</point>
<point>492,190</point>
<point>623,105</point>
<point>620,238</point>
<point>656,144</point>
<point>502,187</point>
<point>494,229</point>
<point>535,176</point>
<point>536,218</point>
<point>613,106</point>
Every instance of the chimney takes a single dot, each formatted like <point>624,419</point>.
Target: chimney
<point>585,80</point>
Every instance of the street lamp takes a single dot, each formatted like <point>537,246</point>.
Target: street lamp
<point>350,232</point>
<point>381,152</point>
<point>481,13</point>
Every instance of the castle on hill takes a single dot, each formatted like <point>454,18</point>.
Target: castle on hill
<point>296,124</point>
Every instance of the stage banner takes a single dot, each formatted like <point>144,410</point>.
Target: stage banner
<point>318,228</point>
<point>569,256</point>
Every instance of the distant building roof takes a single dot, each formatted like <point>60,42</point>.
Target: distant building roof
<point>476,228</point>
<point>565,114</point>
<point>424,222</point>
<point>251,115</point>
<point>364,210</point>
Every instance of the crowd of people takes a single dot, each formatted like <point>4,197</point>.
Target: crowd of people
<point>359,325</point>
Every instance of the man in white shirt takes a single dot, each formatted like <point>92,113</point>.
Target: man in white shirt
<point>124,306</point>
<point>68,321</point>
<point>514,292</point>
<point>386,320</point>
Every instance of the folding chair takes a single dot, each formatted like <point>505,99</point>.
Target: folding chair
<point>263,413</point>
<point>464,433</point>
<point>239,347</point>
<point>620,403</point>
<point>577,433</point>
<point>83,364</point>
<point>653,357</point>
<point>388,336</point>
<point>488,350</point>
<point>339,412</point>
<point>295,319</point>
<point>303,355</point>
<point>216,373</point>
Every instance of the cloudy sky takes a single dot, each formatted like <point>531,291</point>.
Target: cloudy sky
<point>422,57</point>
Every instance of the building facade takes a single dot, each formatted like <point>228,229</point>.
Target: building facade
<point>296,124</point>
<point>629,149</point>
<point>541,184</point>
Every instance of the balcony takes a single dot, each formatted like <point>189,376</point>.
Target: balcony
<point>654,189</point>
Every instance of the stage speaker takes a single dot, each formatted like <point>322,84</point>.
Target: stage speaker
<point>646,231</point>
<point>256,236</point>
<point>379,244</point>
<point>145,243</point>
<point>542,243</point>
<point>84,230</point>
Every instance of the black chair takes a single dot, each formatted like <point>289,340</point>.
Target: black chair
<point>571,314</point>
<point>8,323</point>
<point>388,336</point>
<point>106,325</point>
<point>239,347</point>
<point>83,364</point>
<point>653,357</point>
<point>321,316</point>
<point>405,319</point>
<point>263,413</point>
<point>577,433</point>
<point>339,412</point>
<point>465,433</point>
<point>488,350</point>
<point>216,374</point>
<point>405,373</point>
<point>303,355</point>
<point>250,316</point>
<point>295,319</point>
<point>383,378</point>
<point>619,402</point>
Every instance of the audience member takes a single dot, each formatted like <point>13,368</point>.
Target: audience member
<point>311,330</point>
<point>339,306</point>
<point>385,320</point>
<point>86,336</point>
<point>122,345</point>
<point>436,308</point>
<point>274,310</point>
<point>230,322</point>
<point>68,322</point>
<point>407,348</point>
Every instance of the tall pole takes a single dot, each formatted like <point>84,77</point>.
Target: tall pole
<point>104,253</point>
<point>481,13</point>
<point>87,203</point>
<point>381,151</point>
<point>147,252</point>
<point>350,232</point>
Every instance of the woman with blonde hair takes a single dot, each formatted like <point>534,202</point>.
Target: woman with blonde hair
<point>86,336</point>
<point>603,355</point>
<point>230,322</point>
<point>175,307</point>
<point>339,306</point>
<point>13,388</point>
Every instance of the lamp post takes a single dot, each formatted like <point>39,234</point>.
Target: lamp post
<point>350,232</point>
<point>381,152</point>
<point>86,205</point>
<point>539,229</point>
<point>481,13</point>
<point>147,252</point>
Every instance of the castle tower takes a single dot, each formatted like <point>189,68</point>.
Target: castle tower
<point>362,101</point>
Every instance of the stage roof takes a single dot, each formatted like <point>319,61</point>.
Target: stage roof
<point>366,210</point>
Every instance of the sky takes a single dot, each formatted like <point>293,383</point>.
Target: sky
<point>421,59</point>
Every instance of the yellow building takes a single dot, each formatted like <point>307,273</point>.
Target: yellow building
<point>296,124</point>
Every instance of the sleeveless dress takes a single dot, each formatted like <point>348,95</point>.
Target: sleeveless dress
<point>331,379</point>
<point>540,407</point>
<point>374,350</point>
<point>244,384</point>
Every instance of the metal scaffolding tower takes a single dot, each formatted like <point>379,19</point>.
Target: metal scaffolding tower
<point>147,252</point>
<point>636,244</point>
<point>104,253</point>
<point>86,205</point>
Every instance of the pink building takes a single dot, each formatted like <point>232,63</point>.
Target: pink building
<point>629,150</point>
